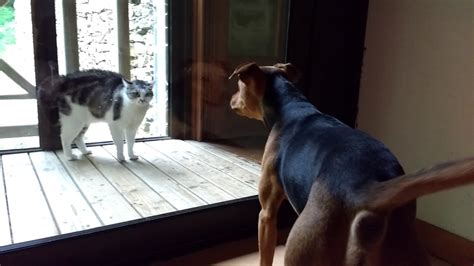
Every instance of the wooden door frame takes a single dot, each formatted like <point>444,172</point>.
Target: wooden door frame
<point>46,64</point>
<point>180,55</point>
<point>140,241</point>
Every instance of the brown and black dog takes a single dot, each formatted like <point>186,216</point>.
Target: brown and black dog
<point>355,204</point>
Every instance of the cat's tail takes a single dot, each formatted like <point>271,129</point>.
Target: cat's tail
<point>48,94</point>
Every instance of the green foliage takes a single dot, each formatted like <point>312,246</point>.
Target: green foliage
<point>7,27</point>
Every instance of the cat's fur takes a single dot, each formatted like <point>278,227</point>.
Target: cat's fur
<point>84,97</point>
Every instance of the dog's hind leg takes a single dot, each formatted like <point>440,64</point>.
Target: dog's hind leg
<point>365,238</point>
<point>319,235</point>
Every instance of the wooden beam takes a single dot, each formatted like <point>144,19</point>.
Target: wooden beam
<point>17,78</point>
<point>123,35</point>
<point>16,97</point>
<point>19,131</point>
<point>46,62</point>
<point>180,53</point>
<point>71,49</point>
<point>197,70</point>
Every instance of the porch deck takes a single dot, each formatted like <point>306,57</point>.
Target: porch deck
<point>42,194</point>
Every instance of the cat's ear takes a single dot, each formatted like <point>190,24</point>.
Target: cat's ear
<point>126,83</point>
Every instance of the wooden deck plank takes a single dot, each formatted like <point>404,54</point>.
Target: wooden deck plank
<point>177,195</point>
<point>249,165</point>
<point>146,201</point>
<point>5,235</point>
<point>107,202</point>
<point>224,165</point>
<point>71,211</point>
<point>98,190</point>
<point>198,185</point>
<point>29,212</point>
<point>192,162</point>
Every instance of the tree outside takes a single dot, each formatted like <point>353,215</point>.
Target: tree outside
<point>7,25</point>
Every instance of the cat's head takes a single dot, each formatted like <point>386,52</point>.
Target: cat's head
<point>138,91</point>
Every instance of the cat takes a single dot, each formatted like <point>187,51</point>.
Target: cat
<point>89,96</point>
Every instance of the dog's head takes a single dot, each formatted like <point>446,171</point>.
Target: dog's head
<point>247,101</point>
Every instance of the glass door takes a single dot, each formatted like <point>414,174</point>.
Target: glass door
<point>128,37</point>
<point>18,112</point>
<point>223,34</point>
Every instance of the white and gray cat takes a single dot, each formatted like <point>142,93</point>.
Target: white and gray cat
<point>89,96</point>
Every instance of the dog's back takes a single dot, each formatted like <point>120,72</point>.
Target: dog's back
<point>313,146</point>
<point>355,205</point>
<point>318,152</point>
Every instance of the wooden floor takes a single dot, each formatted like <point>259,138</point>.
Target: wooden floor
<point>42,194</point>
<point>240,253</point>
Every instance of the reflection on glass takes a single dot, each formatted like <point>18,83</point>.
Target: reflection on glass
<point>217,162</point>
<point>232,32</point>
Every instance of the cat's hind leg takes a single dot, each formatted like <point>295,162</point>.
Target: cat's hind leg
<point>70,129</point>
<point>79,140</point>
<point>117,135</point>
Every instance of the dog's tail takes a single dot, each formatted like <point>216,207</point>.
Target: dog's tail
<point>401,190</point>
<point>370,223</point>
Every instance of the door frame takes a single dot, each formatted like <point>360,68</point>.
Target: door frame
<point>312,30</point>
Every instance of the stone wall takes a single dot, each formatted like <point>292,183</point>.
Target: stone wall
<point>97,42</point>
<point>97,36</point>
<point>142,19</point>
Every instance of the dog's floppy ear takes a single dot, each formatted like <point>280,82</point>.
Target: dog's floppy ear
<point>292,74</point>
<point>244,71</point>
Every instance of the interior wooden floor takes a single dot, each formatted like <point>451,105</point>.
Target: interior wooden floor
<point>241,253</point>
<point>42,194</point>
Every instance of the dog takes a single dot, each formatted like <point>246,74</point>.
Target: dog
<point>355,204</point>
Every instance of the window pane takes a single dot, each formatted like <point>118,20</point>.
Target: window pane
<point>70,194</point>
<point>18,113</point>
<point>97,37</point>
<point>226,34</point>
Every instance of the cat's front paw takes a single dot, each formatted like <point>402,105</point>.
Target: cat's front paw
<point>133,157</point>
<point>120,158</point>
<point>72,157</point>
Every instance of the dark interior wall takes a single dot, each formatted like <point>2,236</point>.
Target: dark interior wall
<point>326,43</point>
